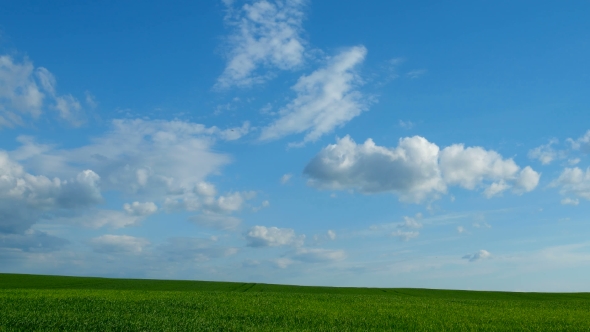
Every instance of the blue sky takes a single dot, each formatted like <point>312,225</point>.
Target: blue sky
<point>340,143</point>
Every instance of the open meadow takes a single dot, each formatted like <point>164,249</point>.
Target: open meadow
<point>50,303</point>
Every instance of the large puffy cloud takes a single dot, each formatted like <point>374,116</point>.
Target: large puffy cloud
<point>416,169</point>
<point>266,34</point>
<point>26,91</point>
<point>326,99</point>
<point>411,169</point>
<point>25,197</point>
<point>260,236</point>
<point>574,181</point>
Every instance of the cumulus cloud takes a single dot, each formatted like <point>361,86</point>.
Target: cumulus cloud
<point>118,244</point>
<point>140,209</point>
<point>25,197</point>
<point>482,254</point>
<point>416,169</point>
<point>26,91</point>
<point>574,181</point>
<point>260,236</point>
<point>411,169</point>
<point>266,35</point>
<point>318,255</point>
<point>582,143</point>
<point>326,99</point>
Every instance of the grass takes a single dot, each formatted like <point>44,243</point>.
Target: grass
<point>50,303</point>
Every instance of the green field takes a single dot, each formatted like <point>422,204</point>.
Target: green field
<point>48,303</point>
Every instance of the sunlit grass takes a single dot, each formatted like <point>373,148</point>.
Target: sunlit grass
<point>30,303</point>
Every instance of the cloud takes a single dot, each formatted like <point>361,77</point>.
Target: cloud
<point>118,244</point>
<point>582,143</point>
<point>414,74</point>
<point>260,236</point>
<point>32,241</point>
<point>331,235</point>
<point>570,201</point>
<point>545,153</point>
<point>24,91</point>
<point>266,35</point>
<point>574,181</point>
<point>326,99</point>
<point>405,235</point>
<point>482,254</point>
<point>410,170</point>
<point>140,209</point>
<point>461,229</point>
<point>415,170</point>
<point>318,255</point>
<point>286,178</point>
<point>24,197</point>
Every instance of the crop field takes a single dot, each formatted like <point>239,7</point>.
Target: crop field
<point>48,303</point>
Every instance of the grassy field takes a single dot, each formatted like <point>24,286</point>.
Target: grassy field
<point>48,303</point>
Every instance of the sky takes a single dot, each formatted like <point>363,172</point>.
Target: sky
<point>341,143</point>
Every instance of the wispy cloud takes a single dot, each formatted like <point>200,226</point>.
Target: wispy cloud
<point>326,99</point>
<point>266,35</point>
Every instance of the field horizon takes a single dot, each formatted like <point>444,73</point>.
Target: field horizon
<point>30,302</point>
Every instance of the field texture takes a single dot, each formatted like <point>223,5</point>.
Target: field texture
<point>46,303</point>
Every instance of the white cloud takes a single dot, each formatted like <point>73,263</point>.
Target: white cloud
<point>482,254</point>
<point>461,229</point>
<point>24,197</point>
<point>414,74</point>
<point>118,244</point>
<point>481,224</point>
<point>410,170</point>
<point>570,201</point>
<point>318,255</point>
<point>410,223</point>
<point>406,124</point>
<point>405,235</point>
<point>574,181</point>
<point>415,170</point>
<point>260,236</point>
<point>283,262</point>
<point>140,209</point>
<point>266,35</point>
<point>326,99</point>
<point>331,235</point>
<point>24,91</point>
<point>545,153</point>
<point>582,143</point>
<point>286,178</point>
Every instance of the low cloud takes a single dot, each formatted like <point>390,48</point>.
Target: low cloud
<point>480,255</point>
<point>582,143</point>
<point>118,244</point>
<point>574,181</point>
<point>260,236</point>
<point>416,169</point>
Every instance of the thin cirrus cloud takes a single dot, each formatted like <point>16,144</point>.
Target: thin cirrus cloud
<point>26,92</point>
<point>266,36</point>
<point>416,169</point>
<point>326,99</point>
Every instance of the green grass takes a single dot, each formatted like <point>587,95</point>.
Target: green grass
<point>49,303</point>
